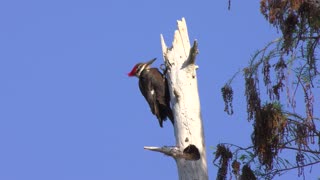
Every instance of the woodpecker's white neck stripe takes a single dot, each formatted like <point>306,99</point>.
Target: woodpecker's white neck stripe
<point>144,66</point>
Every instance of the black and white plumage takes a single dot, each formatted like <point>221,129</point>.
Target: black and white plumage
<point>154,87</point>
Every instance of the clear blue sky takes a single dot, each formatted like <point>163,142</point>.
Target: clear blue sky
<point>69,112</point>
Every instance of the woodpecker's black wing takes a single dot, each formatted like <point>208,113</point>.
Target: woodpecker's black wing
<point>162,95</point>
<point>153,87</point>
<point>148,91</point>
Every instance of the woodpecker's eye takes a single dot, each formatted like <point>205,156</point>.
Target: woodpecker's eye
<point>139,68</point>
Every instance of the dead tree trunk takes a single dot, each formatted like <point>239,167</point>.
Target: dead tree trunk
<point>189,152</point>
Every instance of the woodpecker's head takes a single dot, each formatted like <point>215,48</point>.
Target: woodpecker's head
<point>138,68</point>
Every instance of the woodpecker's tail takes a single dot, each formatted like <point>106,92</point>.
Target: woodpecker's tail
<point>170,115</point>
<point>165,114</point>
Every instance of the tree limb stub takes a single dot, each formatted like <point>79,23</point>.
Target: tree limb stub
<point>189,153</point>
<point>193,53</point>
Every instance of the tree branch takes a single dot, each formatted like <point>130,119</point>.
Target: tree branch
<point>279,171</point>
<point>303,150</point>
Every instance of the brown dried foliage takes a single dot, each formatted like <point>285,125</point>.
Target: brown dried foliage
<point>247,173</point>
<point>300,162</point>
<point>269,128</point>
<point>227,95</point>
<point>235,168</point>
<point>266,77</point>
<point>275,129</point>
<point>280,67</point>
<point>225,155</point>
<point>301,133</point>
<point>251,93</point>
<point>295,18</point>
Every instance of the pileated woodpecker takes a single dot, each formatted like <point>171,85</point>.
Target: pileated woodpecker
<point>154,87</point>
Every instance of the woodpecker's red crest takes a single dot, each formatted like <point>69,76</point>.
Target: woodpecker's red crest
<point>138,68</point>
<point>133,71</point>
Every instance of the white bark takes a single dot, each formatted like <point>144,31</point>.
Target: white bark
<point>188,129</point>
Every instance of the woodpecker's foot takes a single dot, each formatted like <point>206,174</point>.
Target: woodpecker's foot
<point>164,69</point>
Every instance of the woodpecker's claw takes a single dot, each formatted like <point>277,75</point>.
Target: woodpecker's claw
<point>164,69</point>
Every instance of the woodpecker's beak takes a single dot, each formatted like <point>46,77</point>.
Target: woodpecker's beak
<point>151,61</point>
